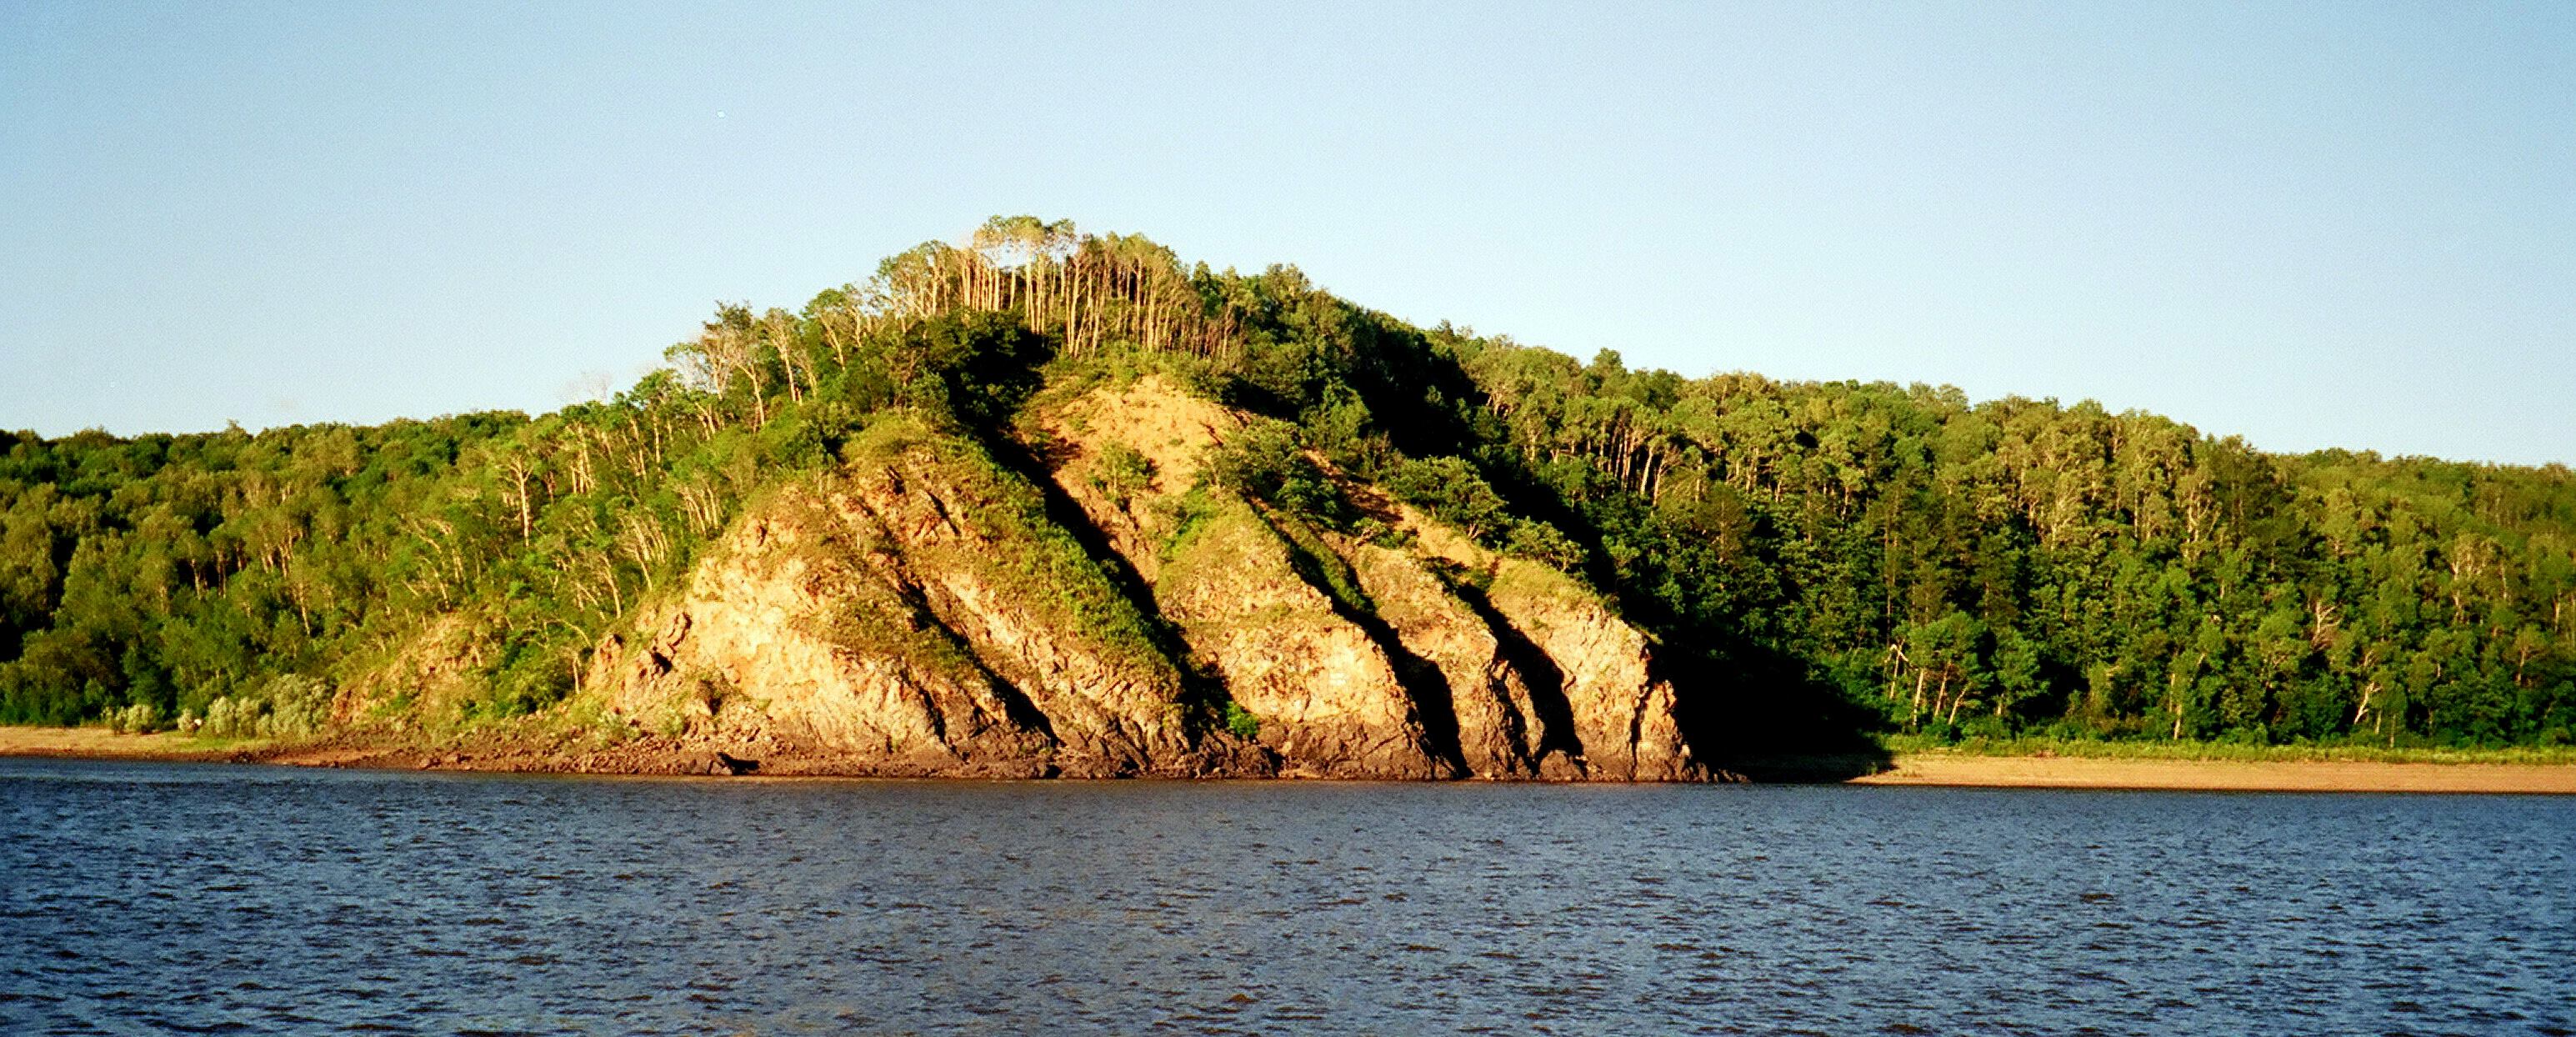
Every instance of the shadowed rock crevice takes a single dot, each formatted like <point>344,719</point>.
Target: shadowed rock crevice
<point>924,615</point>
<point>1433,706</point>
<point>1016,705</point>
<point>1434,702</point>
<point>1550,712</point>
<point>1203,694</point>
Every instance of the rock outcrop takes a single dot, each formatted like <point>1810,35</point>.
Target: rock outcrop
<point>930,610</point>
<point>1495,727</point>
<point>1326,695</point>
<point>1621,713</point>
<point>915,615</point>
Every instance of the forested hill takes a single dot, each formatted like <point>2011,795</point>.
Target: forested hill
<point>1814,560</point>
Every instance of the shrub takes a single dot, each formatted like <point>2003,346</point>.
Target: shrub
<point>1541,543</point>
<point>298,706</point>
<point>1264,461</point>
<point>1123,473</point>
<point>1452,491</point>
<point>227,717</point>
<point>1990,728</point>
<point>139,718</point>
<point>531,681</point>
<point>1241,721</point>
<point>977,366</point>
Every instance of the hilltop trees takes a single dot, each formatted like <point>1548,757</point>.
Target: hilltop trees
<point>1814,556</point>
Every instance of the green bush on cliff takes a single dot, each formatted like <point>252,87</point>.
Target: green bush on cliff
<point>1241,722</point>
<point>1266,461</point>
<point>1320,565</point>
<point>1122,474</point>
<point>1453,491</point>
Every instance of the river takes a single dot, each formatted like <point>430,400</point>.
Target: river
<point>151,898</point>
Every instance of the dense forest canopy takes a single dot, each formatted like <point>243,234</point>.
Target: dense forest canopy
<point>1817,559</point>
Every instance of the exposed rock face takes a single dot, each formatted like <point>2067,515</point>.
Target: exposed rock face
<point>1497,728</point>
<point>1328,698</point>
<point>926,611</point>
<point>790,637</point>
<point>916,615</point>
<point>1587,678</point>
<point>1147,423</point>
<point>1025,601</point>
<point>1622,715</point>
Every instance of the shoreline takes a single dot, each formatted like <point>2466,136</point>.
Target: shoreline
<point>1953,770</point>
<point>1919,769</point>
<point>98,743</point>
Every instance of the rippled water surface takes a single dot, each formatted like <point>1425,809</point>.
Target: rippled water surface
<point>139,898</point>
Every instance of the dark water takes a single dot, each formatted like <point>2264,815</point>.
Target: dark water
<point>140,898</point>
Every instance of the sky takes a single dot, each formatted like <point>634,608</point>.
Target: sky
<point>2311,225</point>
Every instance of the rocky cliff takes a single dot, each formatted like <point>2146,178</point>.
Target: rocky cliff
<point>1092,607</point>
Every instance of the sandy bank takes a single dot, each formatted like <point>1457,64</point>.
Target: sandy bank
<point>2230,775</point>
<point>99,742</point>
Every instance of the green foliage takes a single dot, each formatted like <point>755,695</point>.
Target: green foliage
<point>298,706</point>
<point>1189,516</point>
<point>1266,461</point>
<point>530,681</point>
<point>139,718</point>
<point>1541,543</point>
<point>1813,557</point>
<point>1123,474</point>
<point>2016,566</point>
<point>287,706</point>
<point>1453,491</point>
<point>1822,554</point>
<point>1241,722</point>
<point>978,366</point>
<point>1322,567</point>
<point>227,717</point>
<point>177,571</point>
<point>1038,561</point>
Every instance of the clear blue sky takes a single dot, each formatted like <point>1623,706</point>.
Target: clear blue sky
<point>2310,224</point>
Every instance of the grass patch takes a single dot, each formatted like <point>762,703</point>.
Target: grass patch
<point>99,740</point>
<point>1013,544</point>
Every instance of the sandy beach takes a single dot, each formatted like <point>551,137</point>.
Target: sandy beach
<point>102,743</point>
<point>2231,775</point>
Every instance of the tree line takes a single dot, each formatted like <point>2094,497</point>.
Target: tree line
<point>1816,559</point>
